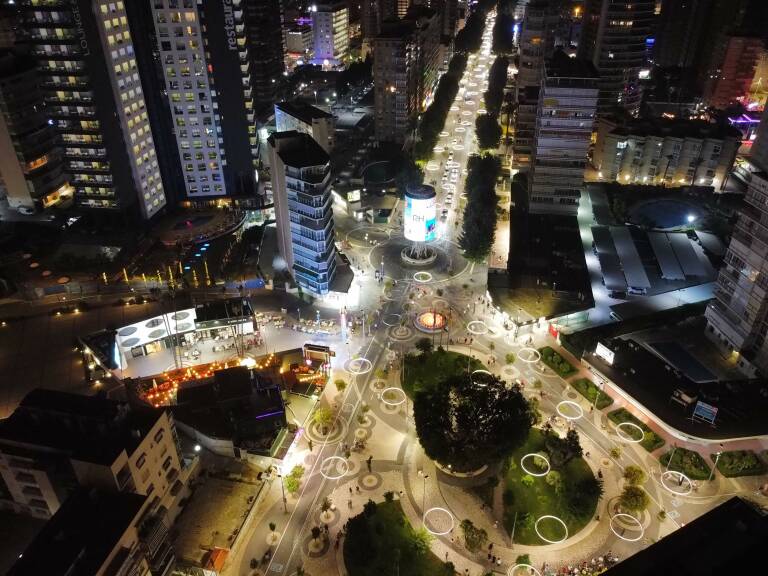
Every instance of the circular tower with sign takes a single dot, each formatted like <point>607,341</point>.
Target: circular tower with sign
<point>420,225</point>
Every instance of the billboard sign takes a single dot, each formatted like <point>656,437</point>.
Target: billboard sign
<point>704,411</point>
<point>420,219</point>
<point>602,351</point>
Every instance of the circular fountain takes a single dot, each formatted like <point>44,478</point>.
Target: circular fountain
<point>430,322</point>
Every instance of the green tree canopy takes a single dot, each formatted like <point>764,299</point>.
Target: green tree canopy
<point>634,499</point>
<point>634,475</point>
<point>466,426</point>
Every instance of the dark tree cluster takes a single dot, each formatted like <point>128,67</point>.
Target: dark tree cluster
<point>479,227</point>
<point>433,120</point>
<point>503,29</point>
<point>488,131</point>
<point>497,80</point>
<point>470,38</point>
<point>487,127</point>
<point>468,425</point>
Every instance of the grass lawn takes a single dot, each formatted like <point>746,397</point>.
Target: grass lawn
<point>735,463</point>
<point>688,462</point>
<point>589,390</point>
<point>559,364</point>
<point>651,441</point>
<point>539,499</point>
<point>369,548</point>
<point>425,370</point>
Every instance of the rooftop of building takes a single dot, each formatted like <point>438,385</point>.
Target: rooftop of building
<point>240,404</point>
<point>220,311</point>
<point>659,354</point>
<point>303,111</point>
<point>88,428</point>
<point>298,150</point>
<point>563,66</point>
<point>728,539</point>
<point>82,534</point>
<point>673,128</point>
<point>395,30</point>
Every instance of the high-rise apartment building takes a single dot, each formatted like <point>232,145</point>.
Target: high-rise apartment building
<point>55,441</point>
<point>32,173</point>
<point>737,318</point>
<point>207,69</point>
<point>263,21</point>
<point>665,152</point>
<point>564,119</point>
<point>537,43</point>
<point>306,118</point>
<point>731,70</point>
<point>537,40</point>
<point>680,31</point>
<point>301,188</point>
<point>94,96</point>
<point>613,38</point>
<point>405,71</point>
<point>99,533</point>
<point>330,28</point>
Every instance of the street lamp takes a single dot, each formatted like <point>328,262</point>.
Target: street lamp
<point>717,458</point>
<point>282,487</point>
<point>423,493</point>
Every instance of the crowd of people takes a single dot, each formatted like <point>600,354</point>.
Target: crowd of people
<point>591,567</point>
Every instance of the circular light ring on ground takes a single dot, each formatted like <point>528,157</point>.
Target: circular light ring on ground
<point>547,540</point>
<point>432,166</point>
<point>536,355</point>
<point>387,320</point>
<point>485,372</point>
<point>481,111</point>
<point>534,455</point>
<point>680,476</point>
<point>443,134</point>
<point>334,459</point>
<point>635,520</point>
<point>422,277</point>
<point>454,108</point>
<point>461,129</point>
<point>392,402</point>
<point>466,113</point>
<point>579,409</point>
<point>355,366</point>
<point>629,439</point>
<point>437,509</point>
<point>512,569</point>
<point>477,327</point>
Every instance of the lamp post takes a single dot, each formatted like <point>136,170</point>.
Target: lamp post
<point>285,500</point>
<point>717,458</point>
<point>423,494</point>
<point>672,455</point>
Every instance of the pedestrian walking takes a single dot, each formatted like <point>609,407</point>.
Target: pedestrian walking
<point>350,503</point>
<point>368,462</point>
<point>350,490</point>
<point>357,488</point>
<point>310,444</point>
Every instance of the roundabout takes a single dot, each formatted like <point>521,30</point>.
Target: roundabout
<point>387,393</point>
<point>577,411</point>
<point>391,319</point>
<point>559,521</point>
<point>528,355</point>
<point>535,474</point>
<point>680,479</point>
<point>527,567</point>
<point>357,366</point>
<point>334,468</point>
<point>477,328</point>
<point>483,375</point>
<point>441,526</point>
<point>625,436</point>
<point>618,519</point>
